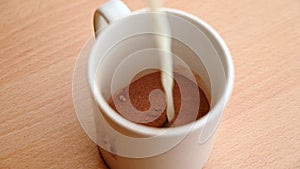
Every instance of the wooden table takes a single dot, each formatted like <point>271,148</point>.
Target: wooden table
<point>40,41</point>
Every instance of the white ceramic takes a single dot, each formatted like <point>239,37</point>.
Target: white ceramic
<point>125,46</point>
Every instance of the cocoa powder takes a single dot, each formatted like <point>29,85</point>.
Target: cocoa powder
<point>144,102</point>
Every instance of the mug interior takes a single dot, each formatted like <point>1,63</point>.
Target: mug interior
<point>193,43</point>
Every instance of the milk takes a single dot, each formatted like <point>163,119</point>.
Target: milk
<point>161,25</point>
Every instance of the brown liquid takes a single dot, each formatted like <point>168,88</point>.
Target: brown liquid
<point>154,114</point>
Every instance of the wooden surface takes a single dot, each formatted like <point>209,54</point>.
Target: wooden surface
<point>39,44</point>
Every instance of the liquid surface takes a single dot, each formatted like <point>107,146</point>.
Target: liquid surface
<point>143,101</point>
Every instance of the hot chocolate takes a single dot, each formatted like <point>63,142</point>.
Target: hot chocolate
<point>144,103</point>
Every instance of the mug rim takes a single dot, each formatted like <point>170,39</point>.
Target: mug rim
<point>178,130</point>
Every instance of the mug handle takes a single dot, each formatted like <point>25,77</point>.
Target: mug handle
<point>108,12</point>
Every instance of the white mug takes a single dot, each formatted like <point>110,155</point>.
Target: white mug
<point>124,46</point>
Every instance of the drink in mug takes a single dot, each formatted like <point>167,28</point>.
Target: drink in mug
<point>125,61</point>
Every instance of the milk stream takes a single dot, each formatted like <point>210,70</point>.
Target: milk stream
<point>160,24</point>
